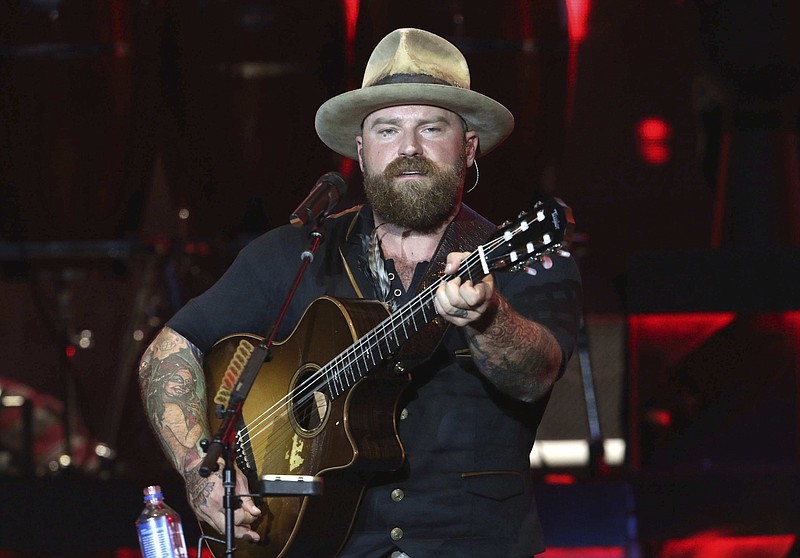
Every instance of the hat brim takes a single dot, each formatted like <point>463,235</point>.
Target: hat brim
<point>339,119</point>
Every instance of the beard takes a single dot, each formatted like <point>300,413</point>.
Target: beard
<point>420,205</point>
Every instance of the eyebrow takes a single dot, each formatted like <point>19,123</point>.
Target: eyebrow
<point>381,120</point>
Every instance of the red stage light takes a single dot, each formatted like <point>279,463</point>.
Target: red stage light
<point>577,29</point>
<point>653,135</point>
<point>718,545</point>
<point>351,9</point>
<point>661,417</point>
<point>653,129</point>
<point>578,19</point>
<point>654,153</point>
<point>562,479</point>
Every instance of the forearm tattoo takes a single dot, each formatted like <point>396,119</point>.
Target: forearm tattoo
<point>518,356</point>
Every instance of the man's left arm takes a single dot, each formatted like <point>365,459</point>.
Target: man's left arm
<point>517,355</point>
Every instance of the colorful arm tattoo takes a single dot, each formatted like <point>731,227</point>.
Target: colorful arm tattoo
<point>173,391</point>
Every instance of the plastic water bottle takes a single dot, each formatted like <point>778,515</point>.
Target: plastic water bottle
<point>159,527</point>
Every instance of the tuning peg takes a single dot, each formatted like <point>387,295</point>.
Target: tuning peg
<point>563,253</point>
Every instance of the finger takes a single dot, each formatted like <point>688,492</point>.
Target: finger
<point>243,487</point>
<point>250,506</point>
<point>451,291</point>
<point>461,296</point>
<point>243,526</point>
<point>246,533</point>
<point>442,304</point>
<point>476,296</point>
<point>454,259</point>
<point>243,517</point>
<point>456,316</point>
<point>470,295</point>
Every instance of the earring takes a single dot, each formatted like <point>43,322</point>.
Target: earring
<point>477,176</point>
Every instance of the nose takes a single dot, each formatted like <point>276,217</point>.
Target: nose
<point>411,146</point>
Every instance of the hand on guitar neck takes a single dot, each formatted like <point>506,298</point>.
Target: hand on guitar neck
<point>464,302</point>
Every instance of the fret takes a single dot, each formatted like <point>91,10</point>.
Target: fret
<point>349,370</point>
<point>405,332</point>
<point>387,348</point>
<point>332,390</point>
<point>424,314</point>
<point>358,362</point>
<point>387,328</point>
<point>341,385</point>
<point>397,341</point>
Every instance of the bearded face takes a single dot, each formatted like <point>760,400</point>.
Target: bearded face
<point>421,204</point>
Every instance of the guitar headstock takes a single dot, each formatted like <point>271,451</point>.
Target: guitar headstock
<point>545,229</point>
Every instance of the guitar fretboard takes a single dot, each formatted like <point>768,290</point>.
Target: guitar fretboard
<point>383,341</point>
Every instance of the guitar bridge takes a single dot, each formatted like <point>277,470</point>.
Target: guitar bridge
<point>244,452</point>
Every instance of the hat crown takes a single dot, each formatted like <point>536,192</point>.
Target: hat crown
<point>412,67</point>
<point>413,55</point>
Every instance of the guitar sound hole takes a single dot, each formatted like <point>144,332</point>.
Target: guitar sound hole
<point>309,405</point>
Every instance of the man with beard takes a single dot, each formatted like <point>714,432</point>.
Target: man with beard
<point>480,377</point>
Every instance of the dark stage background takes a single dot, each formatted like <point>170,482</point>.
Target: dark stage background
<point>142,143</point>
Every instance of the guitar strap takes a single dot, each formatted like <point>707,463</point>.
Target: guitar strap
<point>464,234</point>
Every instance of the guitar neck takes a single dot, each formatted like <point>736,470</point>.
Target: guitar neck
<point>383,341</point>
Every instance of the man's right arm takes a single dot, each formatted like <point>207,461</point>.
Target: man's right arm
<point>173,392</point>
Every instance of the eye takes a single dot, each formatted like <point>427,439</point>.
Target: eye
<point>386,132</point>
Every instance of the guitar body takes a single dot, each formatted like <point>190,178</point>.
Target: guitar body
<point>292,429</point>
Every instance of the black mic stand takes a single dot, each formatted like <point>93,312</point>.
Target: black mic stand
<point>223,444</point>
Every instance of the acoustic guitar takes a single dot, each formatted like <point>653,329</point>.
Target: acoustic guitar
<point>325,404</point>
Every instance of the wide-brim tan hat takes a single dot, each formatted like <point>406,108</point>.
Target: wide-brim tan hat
<point>412,67</point>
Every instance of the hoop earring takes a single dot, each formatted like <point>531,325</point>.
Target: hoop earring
<point>477,176</point>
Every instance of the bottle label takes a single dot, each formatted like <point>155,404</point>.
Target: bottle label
<point>155,538</point>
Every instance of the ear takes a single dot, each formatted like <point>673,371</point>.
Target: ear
<point>360,148</point>
<point>471,146</point>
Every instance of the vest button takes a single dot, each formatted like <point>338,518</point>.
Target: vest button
<point>396,534</point>
<point>398,494</point>
<point>404,414</point>
<point>398,292</point>
<point>390,275</point>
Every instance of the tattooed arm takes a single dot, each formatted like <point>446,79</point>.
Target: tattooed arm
<point>518,356</point>
<point>174,395</point>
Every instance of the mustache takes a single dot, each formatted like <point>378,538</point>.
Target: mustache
<point>412,164</point>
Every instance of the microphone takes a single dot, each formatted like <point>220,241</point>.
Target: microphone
<point>323,197</point>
